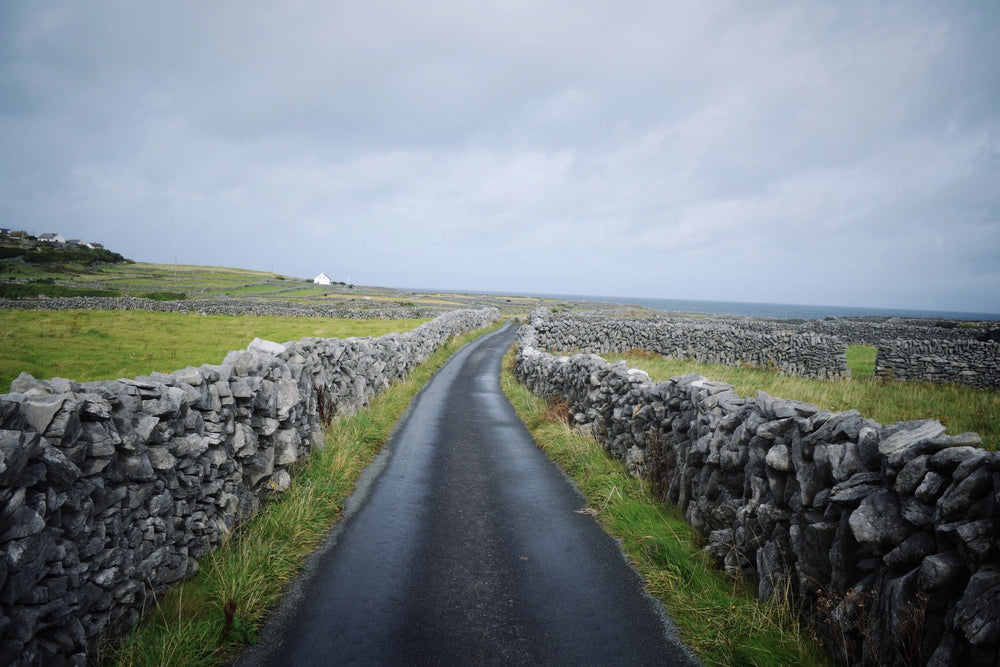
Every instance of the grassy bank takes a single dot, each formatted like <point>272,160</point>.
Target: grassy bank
<point>86,345</point>
<point>208,619</point>
<point>959,408</point>
<point>719,618</point>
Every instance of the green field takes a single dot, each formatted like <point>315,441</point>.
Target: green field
<point>86,345</point>
<point>959,408</point>
<point>53,273</point>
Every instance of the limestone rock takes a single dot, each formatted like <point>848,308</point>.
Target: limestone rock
<point>877,523</point>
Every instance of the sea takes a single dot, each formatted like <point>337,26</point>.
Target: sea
<point>775,310</point>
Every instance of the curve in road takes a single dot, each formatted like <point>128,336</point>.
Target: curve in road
<point>465,545</point>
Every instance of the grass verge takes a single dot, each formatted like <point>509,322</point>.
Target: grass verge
<point>719,618</point>
<point>207,620</point>
<point>959,408</point>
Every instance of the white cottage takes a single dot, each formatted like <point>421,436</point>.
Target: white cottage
<point>322,279</point>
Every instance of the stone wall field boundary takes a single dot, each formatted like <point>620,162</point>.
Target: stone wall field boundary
<point>799,354</point>
<point>811,348</point>
<point>222,306</point>
<point>969,362</point>
<point>112,491</point>
<point>887,536</point>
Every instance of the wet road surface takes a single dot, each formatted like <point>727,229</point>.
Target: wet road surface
<point>465,545</point>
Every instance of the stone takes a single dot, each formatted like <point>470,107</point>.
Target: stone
<point>976,612</point>
<point>868,442</point>
<point>877,523</point>
<point>252,363</point>
<point>168,403</point>
<point>778,458</point>
<point>941,573</point>
<point>911,475</point>
<point>772,570</point>
<point>161,504</point>
<point>980,458</point>
<point>258,467</point>
<point>809,483</point>
<point>266,346</point>
<point>239,387</point>
<point>102,436</point>
<point>857,487</point>
<point>774,429</point>
<point>980,538</point>
<point>137,468</point>
<point>918,513</point>
<point>960,497</point>
<point>143,427</point>
<point>24,383</point>
<point>931,487</point>
<point>288,397</point>
<point>811,544</point>
<point>40,411</point>
<point>848,426</point>
<point>95,407</point>
<point>907,437</point>
<point>188,446</point>
<point>787,408</point>
<point>22,522</point>
<point>26,559</point>
<point>911,551</point>
<point>59,470</point>
<point>635,462</point>
<point>188,376</point>
<point>286,443</point>
<point>160,458</point>
<point>244,440</point>
<point>947,460</point>
<point>280,481</point>
<point>844,460</point>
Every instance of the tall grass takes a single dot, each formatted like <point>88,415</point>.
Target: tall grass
<point>960,409</point>
<point>719,618</point>
<point>207,620</point>
<point>861,361</point>
<point>89,345</point>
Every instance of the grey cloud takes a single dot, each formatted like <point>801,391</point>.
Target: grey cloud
<point>775,151</point>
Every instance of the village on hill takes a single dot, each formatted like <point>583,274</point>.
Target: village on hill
<point>24,239</point>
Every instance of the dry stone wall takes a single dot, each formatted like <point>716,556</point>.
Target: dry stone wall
<point>888,536</point>
<point>942,351</point>
<point>732,343</point>
<point>112,491</point>
<point>970,362</point>
<point>259,307</point>
<point>871,329</point>
<point>908,349</point>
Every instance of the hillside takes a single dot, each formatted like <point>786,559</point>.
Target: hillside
<point>33,274</point>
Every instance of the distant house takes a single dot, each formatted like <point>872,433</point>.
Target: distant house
<point>322,279</point>
<point>52,238</point>
<point>74,242</point>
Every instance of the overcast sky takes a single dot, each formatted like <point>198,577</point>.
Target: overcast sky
<point>837,153</point>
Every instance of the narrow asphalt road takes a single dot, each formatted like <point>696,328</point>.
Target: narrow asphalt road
<point>465,545</point>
